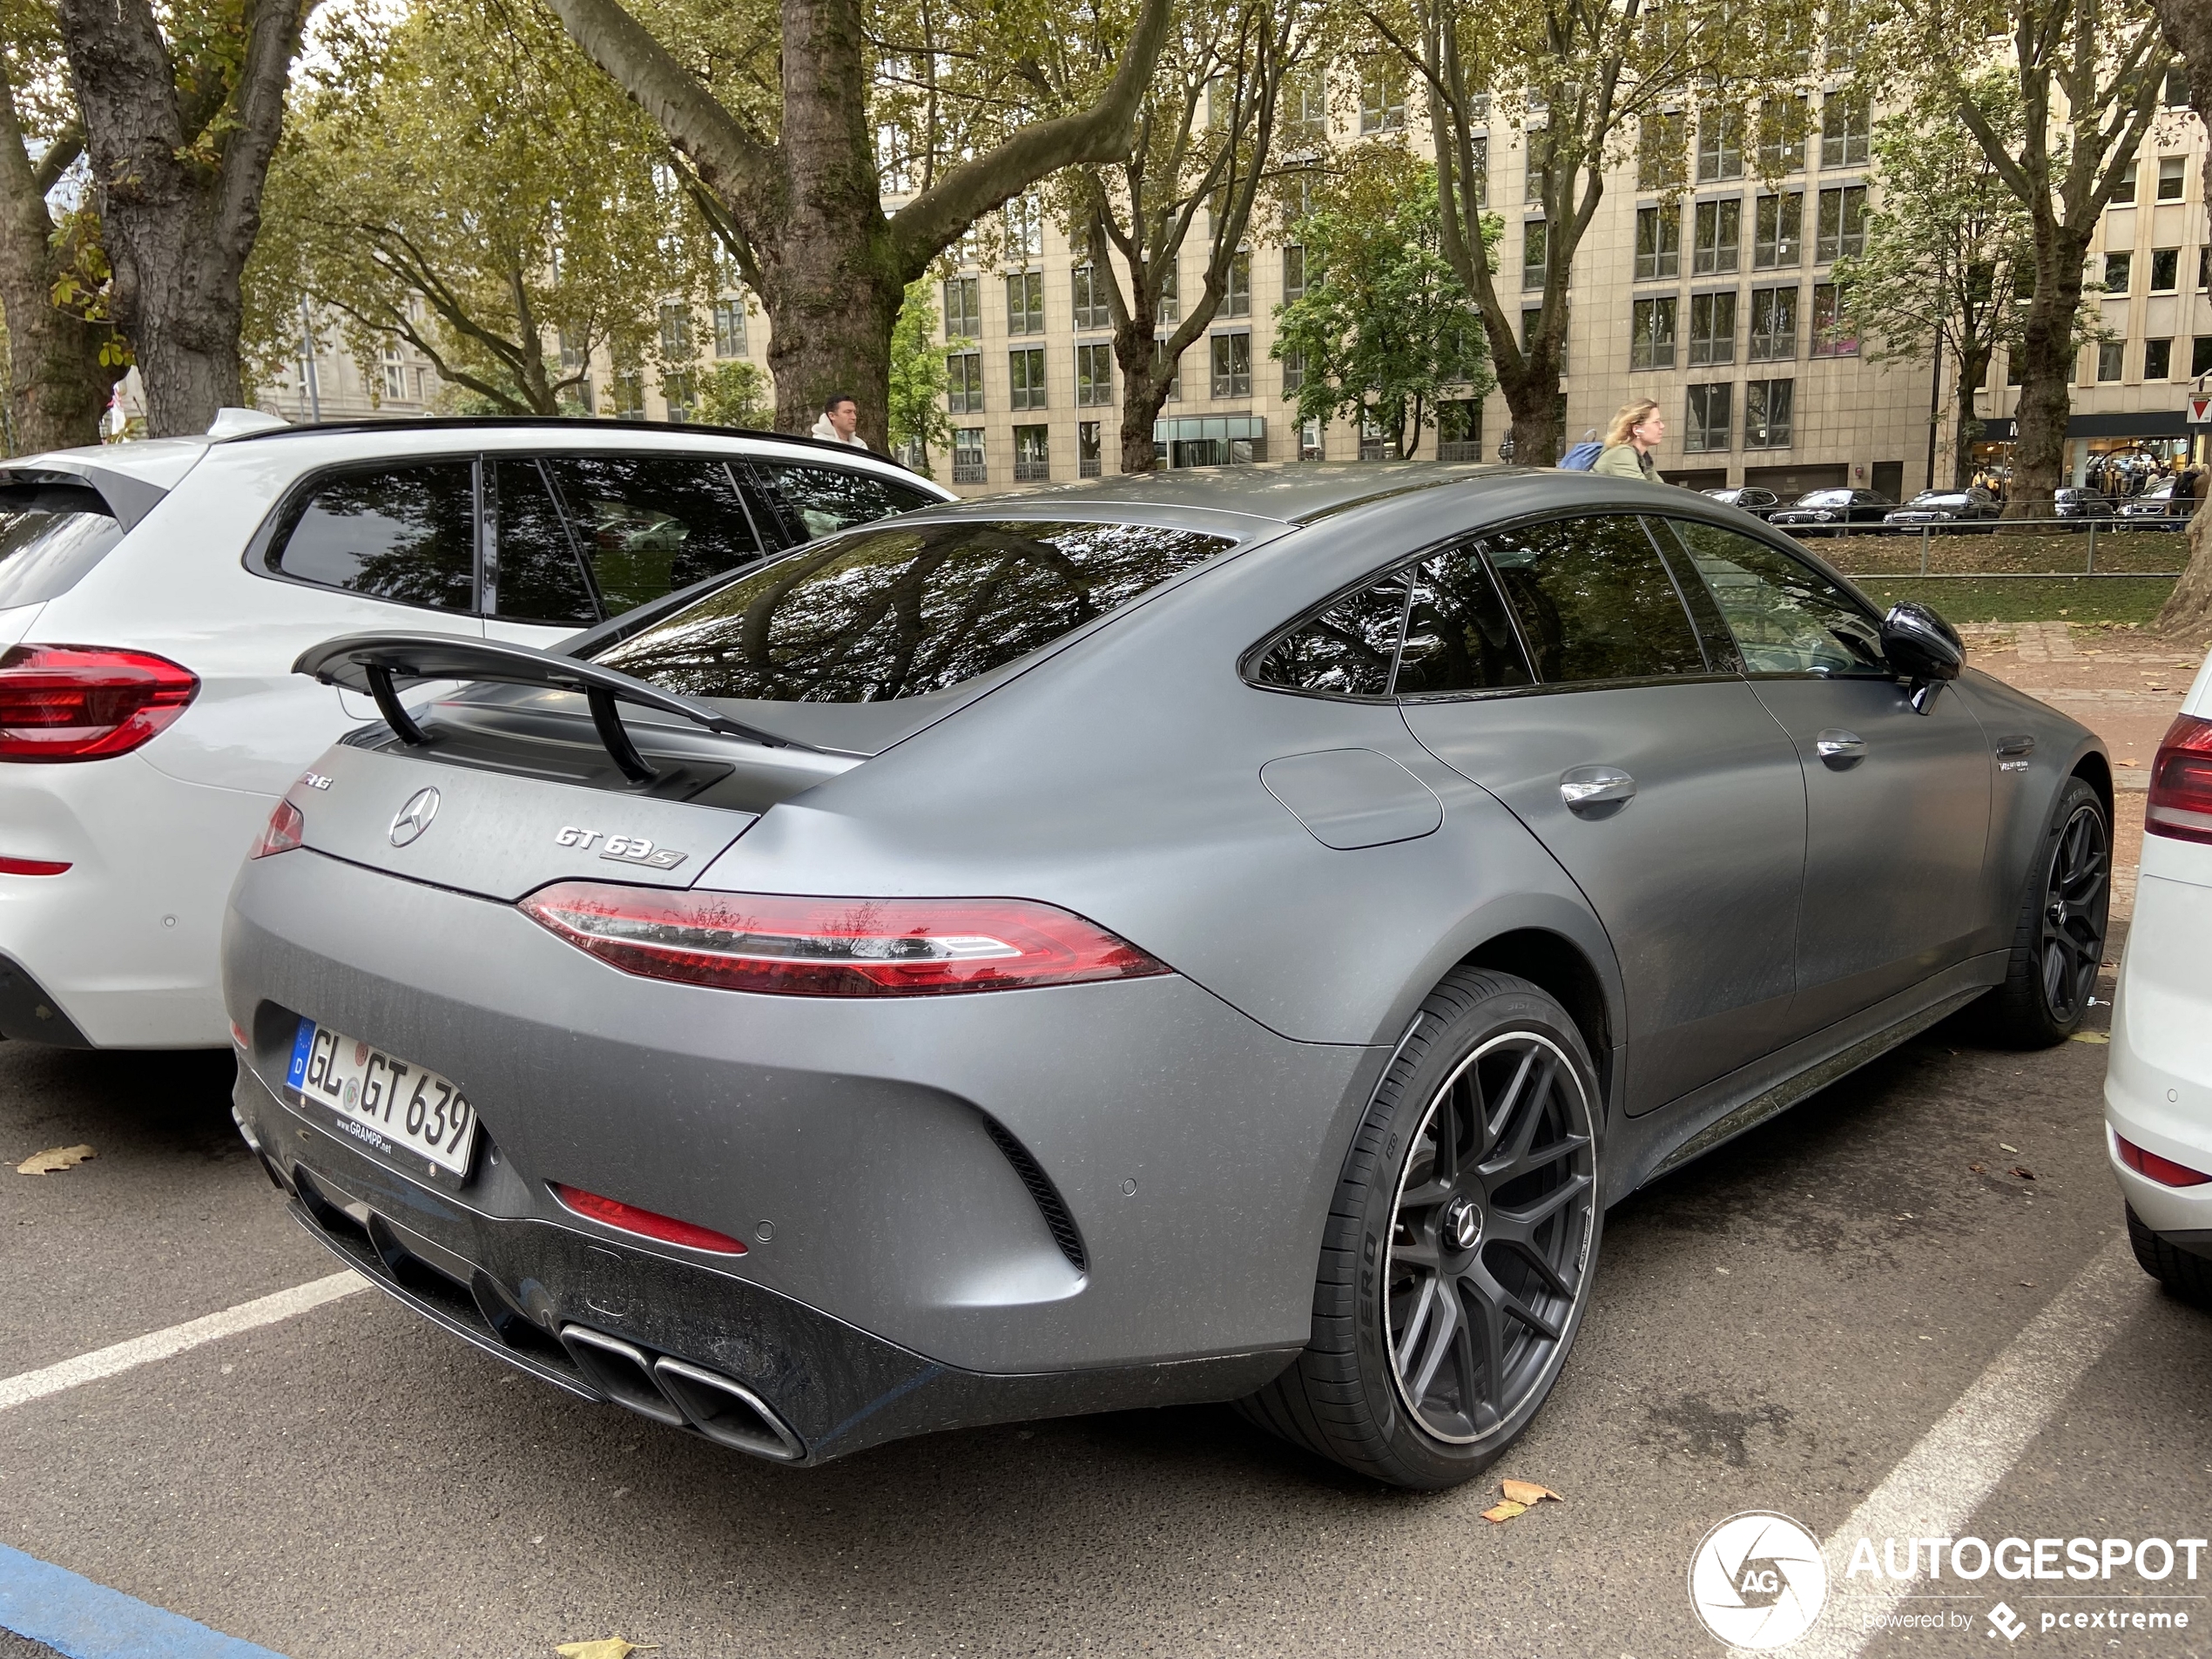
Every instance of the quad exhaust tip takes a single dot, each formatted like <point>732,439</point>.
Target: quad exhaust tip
<point>681,1395</point>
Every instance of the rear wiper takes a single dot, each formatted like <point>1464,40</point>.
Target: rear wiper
<point>376,662</point>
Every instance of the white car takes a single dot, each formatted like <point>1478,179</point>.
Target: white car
<point>2158,1080</point>
<point>153,597</point>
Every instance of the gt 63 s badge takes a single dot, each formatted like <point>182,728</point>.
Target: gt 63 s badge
<point>622,849</point>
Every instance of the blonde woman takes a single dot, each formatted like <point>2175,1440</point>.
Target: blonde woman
<point>1637,429</point>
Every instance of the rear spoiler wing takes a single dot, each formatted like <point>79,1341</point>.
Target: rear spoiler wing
<point>376,662</point>
<point>127,499</point>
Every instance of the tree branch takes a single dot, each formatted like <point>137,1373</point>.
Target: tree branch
<point>272,38</point>
<point>61,154</point>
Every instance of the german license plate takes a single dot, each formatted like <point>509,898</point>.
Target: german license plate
<point>405,1112</point>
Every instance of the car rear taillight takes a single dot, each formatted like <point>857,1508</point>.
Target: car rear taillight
<point>84,703</point>
<point>806,946</point>
<point>32,867</point>
<point>2181,782</point>
<point>645,1224</point>
<point>285,829</point>
<point>2165,1171</point>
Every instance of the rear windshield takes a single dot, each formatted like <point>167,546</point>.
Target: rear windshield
<point>903,611</point>
<point>50,535</point>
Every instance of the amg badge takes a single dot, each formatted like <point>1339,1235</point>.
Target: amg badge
<point>622,849</point>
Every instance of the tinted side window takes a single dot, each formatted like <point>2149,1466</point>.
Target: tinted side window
<point>50,535</point>
<point>406,533</point>
<point>1457,635</point>
<point>651,525</point>
<point>1594,601</point>
<point>820,501</point>
<point>540,579</point>
<point>1786,616</point>
<point>1347,650</point>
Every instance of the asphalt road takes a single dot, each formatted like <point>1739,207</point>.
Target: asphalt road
<point>1775,1327</point>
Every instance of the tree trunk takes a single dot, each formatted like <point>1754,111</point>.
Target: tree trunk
<point>1973,370</point>
<point>179,151</point>
<point>2188,607</point>
<point>57,386</point>
<point>1142,397</point>
<point>1531,389</point>
<point>2046,354</point>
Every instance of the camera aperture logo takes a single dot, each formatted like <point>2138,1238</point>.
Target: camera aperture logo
<point>1757,1581</point>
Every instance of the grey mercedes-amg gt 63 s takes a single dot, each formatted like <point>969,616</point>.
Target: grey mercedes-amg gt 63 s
<point>1197,937</point>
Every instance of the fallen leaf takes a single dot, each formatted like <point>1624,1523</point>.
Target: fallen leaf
<point>1978,1168</point>
<point>1498,1514</point>
<point>610,1648</point>
<point>54,1160</point>
<point>2006,1146</point>
<point>2024,1172</point>
<point>1527,1493</point>
<point>2090,1036</point>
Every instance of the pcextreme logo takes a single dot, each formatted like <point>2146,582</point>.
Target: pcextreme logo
<point>1757,1581</point>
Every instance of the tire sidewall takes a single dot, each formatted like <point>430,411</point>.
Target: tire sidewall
<point>2076,794</point>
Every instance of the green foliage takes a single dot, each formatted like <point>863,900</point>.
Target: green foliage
<point>736,395</point>
<point>1385,327</point>
<point>918,378</point>
<point>460,177</point>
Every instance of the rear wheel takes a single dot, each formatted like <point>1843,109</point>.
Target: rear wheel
<point>2187,1276</point>
<point>2058,943</point>
<point>1460,1247</point>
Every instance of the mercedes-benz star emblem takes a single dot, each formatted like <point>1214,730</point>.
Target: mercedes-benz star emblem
<point>1462,1223</point>
<point>414,817</point>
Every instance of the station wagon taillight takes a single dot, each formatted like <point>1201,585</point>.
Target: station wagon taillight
<point>84,702</point>
<point>2181,782</point>
<point>792,945</point>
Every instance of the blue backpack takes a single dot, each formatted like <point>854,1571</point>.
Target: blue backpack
<point>1582,456</point>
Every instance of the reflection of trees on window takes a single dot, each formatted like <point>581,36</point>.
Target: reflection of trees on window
<point>1457,635</point>
<point>1347,650</point>
<point>1786,618</point>
<point>1594,601</point>
<point>649,526</point>
<point>903,612</point>
<point>401,532</point>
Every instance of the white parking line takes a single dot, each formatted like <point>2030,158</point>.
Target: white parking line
<point>160,1345</point>
<point>1936,1487</point>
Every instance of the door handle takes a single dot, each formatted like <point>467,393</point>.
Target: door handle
<point>1839,750</point>
<point>1596,791</point>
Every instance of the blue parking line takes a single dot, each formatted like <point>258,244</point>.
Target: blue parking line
<point>82,1620</point>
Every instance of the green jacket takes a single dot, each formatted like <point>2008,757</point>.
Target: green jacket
<point>1626,461</point>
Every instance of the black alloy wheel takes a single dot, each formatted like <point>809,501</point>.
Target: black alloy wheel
<point>2059,941</point>
<point>1460,1247</point>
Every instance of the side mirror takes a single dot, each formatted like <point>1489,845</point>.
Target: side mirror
<point>1923,648</point>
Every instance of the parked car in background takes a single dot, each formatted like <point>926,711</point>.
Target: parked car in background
<point>1748,497</point>
<point>2073,502</point>
<point>1945,507</point>
<point>1217,935</point>
<point>1833,511</point>
<point>153,595</point>
<point>2158,1076</point>
<point>2158,509</point>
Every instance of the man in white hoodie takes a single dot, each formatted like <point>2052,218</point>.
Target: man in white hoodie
<point>840,421</point>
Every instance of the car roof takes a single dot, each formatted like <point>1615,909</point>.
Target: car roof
<point>545,423</point>
<point>1288,492</point>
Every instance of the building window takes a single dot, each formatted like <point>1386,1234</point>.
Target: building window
<point>2165,269</point>
<point>1170,306</point>
<point>1025,303</point>
<point>1778,232</point>
<point>1477,183</point>
<point>1382,98</point>
<point>2169,177</point>
<point>1768,409</point>
<point>892,175</point>
<point>1658,241</point>
<point>2176,95</point>
<point>1651,338</point>
<point>394,375</point>
<point>2158,359</point>
<point>1092,308</point>
<point>1530,317</point>
<point>964,382</point>
<point>1774,325</point>
<point>2203,269</point>
<point>963,307</point>
<point>729,327</point>
<point>1174,371</point>
<point>1293,274</point>
<point>1707,429</point>
<point>1211,440</point>
<point>2120,272</point>
<point>1091,454</point>
<point>1293,372</point>
<point>2200,357</point>
<point>1720,145</point>
<point>2123,188</point>
<point>676,331</point>
<point>678,392</point>
<point>1717,241</point>
<point>1024,221</point>
<point>1845,130</point>
<point>1832,335</point>
<point>1712,328</point>
<point>1533,239</point>
<point>968,457</point>
<point>1535,184</point>
<point>1025,374</point>
<point>1237,301</point>
<point>1032,454</point>
<point>1783,126</point>
<point>1842,230</point>
<point>1660,138</point>
<point>1232,364</point>
<point>1306,99</point>
<point>2112,359</point>
<point>1094,375</point>
<point>1310,444</point>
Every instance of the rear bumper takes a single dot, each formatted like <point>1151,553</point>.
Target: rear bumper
<point>571,1310</point>
<point>2158,1078</point>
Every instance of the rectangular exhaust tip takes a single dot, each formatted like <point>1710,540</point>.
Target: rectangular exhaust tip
<point>620,1371</point>
<point>726,1412</point>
